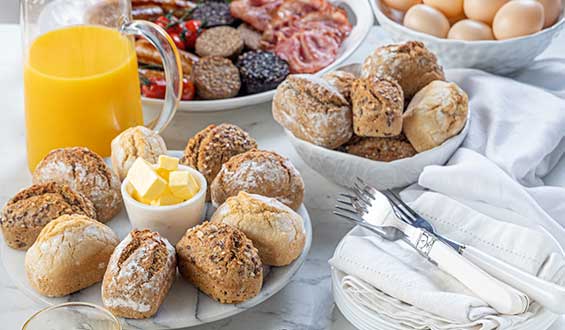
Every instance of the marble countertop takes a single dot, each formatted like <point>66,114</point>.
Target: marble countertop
<point>306,303</point>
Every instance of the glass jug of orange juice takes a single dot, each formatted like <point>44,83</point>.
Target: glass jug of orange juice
<point>81,83</point>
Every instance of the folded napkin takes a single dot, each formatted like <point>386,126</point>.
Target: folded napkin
<point>401,287</point>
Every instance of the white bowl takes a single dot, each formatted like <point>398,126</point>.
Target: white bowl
<point>170,221</point>
<point>342,168</point>
<point>499,57</point>
<point>361,18</point>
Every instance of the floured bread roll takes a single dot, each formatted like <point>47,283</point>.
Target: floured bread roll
<point>411,64</point>
<point>313,110</point>
<point>136,142</point>
<point>276,230</point>
<point>259,172</point>
<point>342,81</point>
<point>71,253</point>
<point>139,276</point>
<point>220,261</point>
<point>210,148</point>
<point>436,113</point>
<point>25,215</point>
<point>84,171</point>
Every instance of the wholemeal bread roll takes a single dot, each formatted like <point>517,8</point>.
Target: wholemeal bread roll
<point>140,273</point>
<point>25,215</point>
<point>378,104</point>
<point>259,172</point>
<point>383,149</point>
<point>210,148</point>
<point>411,64</point>
<point>220,261</point>
<point>342,81</point>
<point>71,253</point>
<point>136,142</point>
<point>436,113</point>
<point>84,171</point>
<point>313,110</point>
<point>276,230</point>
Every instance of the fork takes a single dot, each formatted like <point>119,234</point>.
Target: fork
<point>364,206</point>
<point>547,294</point>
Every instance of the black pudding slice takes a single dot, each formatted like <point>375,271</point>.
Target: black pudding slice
<point>213,14</point>
<point>261,71</point>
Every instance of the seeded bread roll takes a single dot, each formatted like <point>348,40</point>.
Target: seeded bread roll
<point>139,276</point>
<point>85,172</point>
<point>210,148</point>
<point>71,253</point>
<point>25,215</point>
<point>383,149</point>
<point>276,230</point>
<point>136,142</point>
<point>342,81</point>
<point>377,106</point>
<point>220,261</point>
<point>436,113</point>
<point>313,110</point>
<point>411,64</point>
<point>259,172</point>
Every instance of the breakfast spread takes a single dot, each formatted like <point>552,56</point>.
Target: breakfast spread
<point>399,105</point>
<point>140,273</point>
<point>275,229</point>
<point>475,19</point>
<point>295,36</point>
<point>71,253</point>
<point>220,261</point>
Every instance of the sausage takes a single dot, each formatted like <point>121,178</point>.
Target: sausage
<point>147,54</point>
<point>147,12</point>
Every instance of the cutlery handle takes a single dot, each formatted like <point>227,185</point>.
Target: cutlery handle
<point>500,296</point>
<point>547,294</point>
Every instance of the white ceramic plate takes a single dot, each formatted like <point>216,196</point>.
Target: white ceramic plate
<point>365,319</point>
<point>184,306</point>
<point>360,16</point>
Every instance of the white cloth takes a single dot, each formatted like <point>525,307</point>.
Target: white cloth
<point>497,202</point>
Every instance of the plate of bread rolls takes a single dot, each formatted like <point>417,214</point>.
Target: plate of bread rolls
<point>383,120</point>
<point>205,233</point>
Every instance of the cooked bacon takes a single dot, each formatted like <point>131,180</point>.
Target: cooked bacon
<point>256,13</point>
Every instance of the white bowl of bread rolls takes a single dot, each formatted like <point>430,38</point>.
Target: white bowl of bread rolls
<point>383,120</point>
<point>498,36</point>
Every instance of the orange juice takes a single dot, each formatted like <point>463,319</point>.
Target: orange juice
<point>81,89</point>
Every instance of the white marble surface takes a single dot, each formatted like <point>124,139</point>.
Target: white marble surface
<point>306,303</point>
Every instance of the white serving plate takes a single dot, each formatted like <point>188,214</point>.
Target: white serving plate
<point>185,306</point>
<point>365,319</point>
<point>499,57</point>
<point>361,17</point>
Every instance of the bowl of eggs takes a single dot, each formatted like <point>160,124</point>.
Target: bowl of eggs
<point>498,36</point>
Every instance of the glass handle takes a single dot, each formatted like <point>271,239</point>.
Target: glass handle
<point>171,63</point>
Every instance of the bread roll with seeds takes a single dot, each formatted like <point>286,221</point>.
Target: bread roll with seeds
<point>259,172</point>
<point>342,81</point>
<point>86,172</point>
<point>139,276</point>
<point>382,149</point>
<point>276,230</point>
<point>30,210</point>
<point>71,253</point>
<point>136,142</point>
<point>220,261</point>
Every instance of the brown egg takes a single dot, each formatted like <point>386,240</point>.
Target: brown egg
<point>428,20</point>
<point>482,10</point>
<point>402,5</point>
<point>450,8</point>
<point>552,10</point>
<point>518,18</point>
<point>469,29</point>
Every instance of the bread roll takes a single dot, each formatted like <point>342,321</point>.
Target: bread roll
<point>136,142</point>
<point>84,171</point>
<point>383,149</point>
<point>71,253</point>
<point>139,276</point>
<point>276,230</point>
<point>313,110</point>
<point>25,215</point>
<point>259,172</point>
<point>220,261</point>
<point>436,113</point>
<point>342,81</point>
